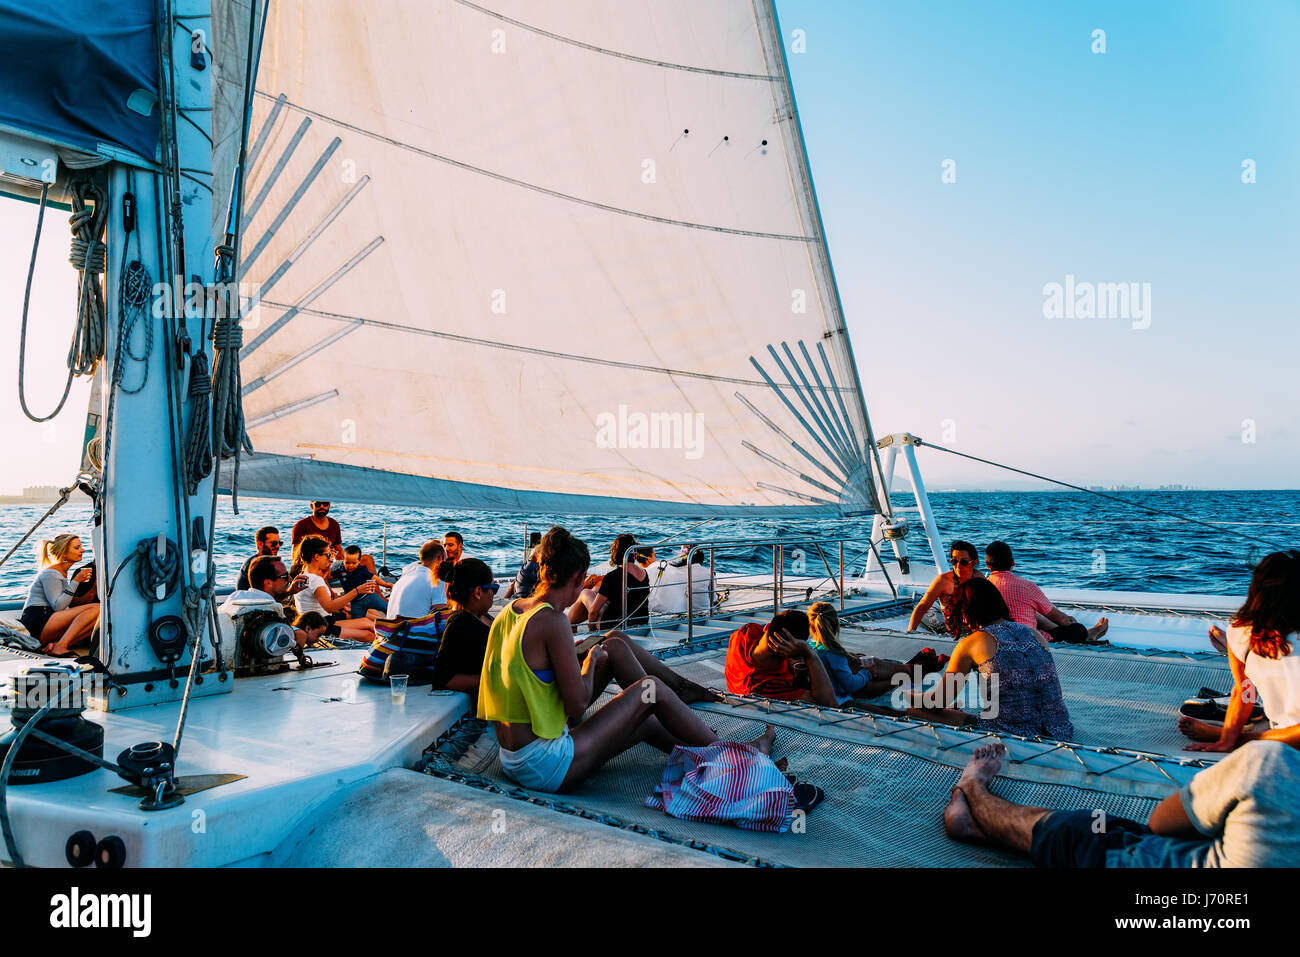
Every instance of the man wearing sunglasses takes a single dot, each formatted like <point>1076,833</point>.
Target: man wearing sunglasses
<point>320,523</point>
<point>965,566</point>
<point>268,543</point>
<point>269,582</point>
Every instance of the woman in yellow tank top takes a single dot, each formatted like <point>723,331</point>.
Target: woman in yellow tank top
<point>535,692</point>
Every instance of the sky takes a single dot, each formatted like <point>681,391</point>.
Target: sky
<point>1122,166</point>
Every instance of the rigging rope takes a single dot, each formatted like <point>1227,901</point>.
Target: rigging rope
<point>198,444</point>
<point>1089,491</point>
<point>229,436</point>
<point>87,256</point>
<point>64,494</point>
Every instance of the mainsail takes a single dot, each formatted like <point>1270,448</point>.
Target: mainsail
<point>560,257</point>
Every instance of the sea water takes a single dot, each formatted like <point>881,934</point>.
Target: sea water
<point>1070,539</point>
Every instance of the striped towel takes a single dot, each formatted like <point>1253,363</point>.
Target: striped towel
<point>725,783</point>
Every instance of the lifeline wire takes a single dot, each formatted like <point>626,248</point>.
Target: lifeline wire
<point>1113,498</point>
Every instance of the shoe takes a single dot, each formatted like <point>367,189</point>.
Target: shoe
<point>1215,710</point>
<point>807,796</point>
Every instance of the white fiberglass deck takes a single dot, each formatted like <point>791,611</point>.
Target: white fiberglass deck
<point>298,738</point>
<point>317,747</point>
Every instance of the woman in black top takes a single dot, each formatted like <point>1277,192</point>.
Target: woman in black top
<point>470,591</point>
<point>607,609</point>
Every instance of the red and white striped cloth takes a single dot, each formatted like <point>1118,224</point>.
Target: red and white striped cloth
<point>725,783</point>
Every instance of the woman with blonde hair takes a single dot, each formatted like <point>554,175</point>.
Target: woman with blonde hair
<point>56,613</point>
<point>852,676</point>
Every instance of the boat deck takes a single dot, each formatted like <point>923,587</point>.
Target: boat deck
<point>887,780</point>
<point>318,750</point>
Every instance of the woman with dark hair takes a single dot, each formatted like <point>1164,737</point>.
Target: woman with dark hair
<point>309,628</point>
<point>946,590</point>
<point>471,589</point>
<point>536,692</point>
<point>1265,665</point>
<point>608,606</point>
<point>1021,689</point>
<point>315,556</point>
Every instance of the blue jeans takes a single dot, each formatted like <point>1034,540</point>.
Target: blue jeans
<point>1067,839</point>
<point>364,603</point>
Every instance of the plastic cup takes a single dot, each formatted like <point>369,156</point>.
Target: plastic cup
<point>397,684</point>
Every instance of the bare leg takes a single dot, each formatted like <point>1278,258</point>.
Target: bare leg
<point>577,613</point>
<point>62,636</point>
<point>619,664</point>
<point>350,632</point>
<point>952,716</point>
<point>1011,825</point>
<point>624,653</point>
<point>622,723</point>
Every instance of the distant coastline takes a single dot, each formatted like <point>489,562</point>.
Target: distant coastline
<point>44,495</point>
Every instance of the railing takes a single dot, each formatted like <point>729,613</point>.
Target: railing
<point>778,549</point>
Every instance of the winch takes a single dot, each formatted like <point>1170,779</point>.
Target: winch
<point>66,688</point>
<point>262,642</point>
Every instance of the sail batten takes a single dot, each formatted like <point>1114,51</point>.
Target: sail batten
<point>533,252</point>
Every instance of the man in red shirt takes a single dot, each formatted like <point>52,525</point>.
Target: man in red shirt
<point>759,661</point>
<point>1029,606</point>
<point>319,523</point>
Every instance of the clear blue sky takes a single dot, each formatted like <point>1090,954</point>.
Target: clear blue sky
<point>1122,166</point>
<point>1115,167</point>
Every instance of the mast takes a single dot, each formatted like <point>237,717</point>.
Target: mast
<point>153,551</point>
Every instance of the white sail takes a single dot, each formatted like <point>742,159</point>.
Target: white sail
<point>495,269</point>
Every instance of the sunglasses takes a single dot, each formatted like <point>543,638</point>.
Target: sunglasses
<point>493,588</point>
<point>962,562</point>
<point>272,544</point>
<point>284,577</point>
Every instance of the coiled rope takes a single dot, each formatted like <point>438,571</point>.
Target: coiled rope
<point>229,436</point>
<point>87,256</point>
<point>198,444</point>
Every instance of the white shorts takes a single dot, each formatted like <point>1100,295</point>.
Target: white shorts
<point>540,765</point>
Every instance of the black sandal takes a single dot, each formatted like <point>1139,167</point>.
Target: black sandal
<point>807,796</point>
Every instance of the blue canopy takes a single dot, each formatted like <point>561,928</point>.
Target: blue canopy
<point>69,67</point>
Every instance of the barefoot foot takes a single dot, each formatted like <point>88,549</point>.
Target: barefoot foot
<point>958,822</point>
<point>983,765</point>
<point>764,741</point>
<point>1198,730</point>
<point>1096,632</point>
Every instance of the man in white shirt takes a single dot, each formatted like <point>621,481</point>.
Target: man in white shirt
<point>270,584</point>
<point>418,592</point>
